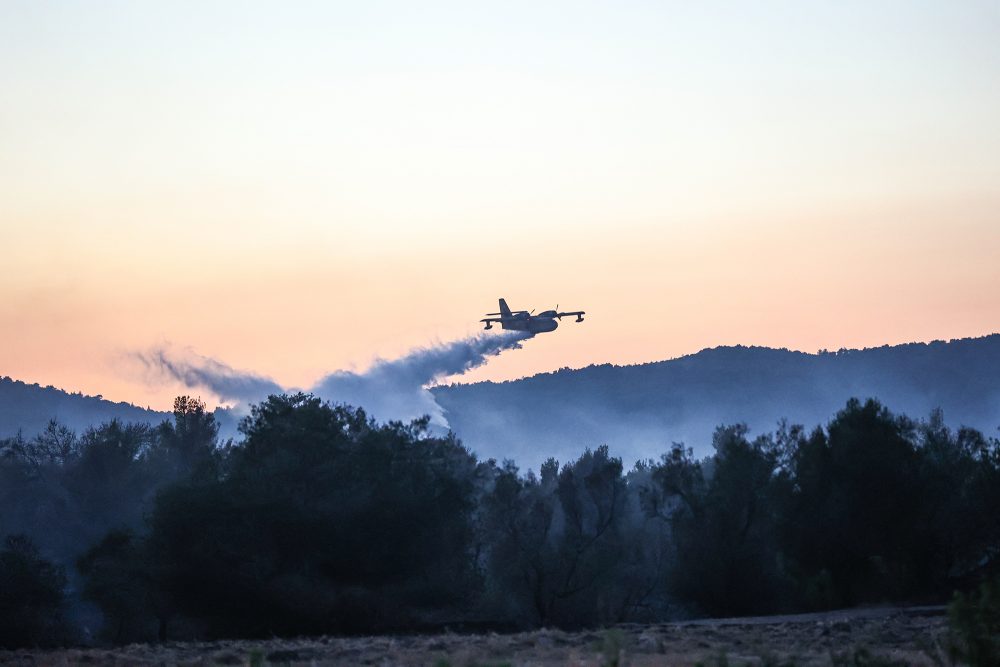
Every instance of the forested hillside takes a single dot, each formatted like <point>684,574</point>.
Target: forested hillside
<point>29,408</point>
<point>639,410</point>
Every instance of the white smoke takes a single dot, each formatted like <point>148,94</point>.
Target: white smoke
<point>389,389</point>
<point>397,388</point>
<point>199,372</point>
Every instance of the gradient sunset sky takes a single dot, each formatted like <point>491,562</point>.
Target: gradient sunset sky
<point>294,188</point>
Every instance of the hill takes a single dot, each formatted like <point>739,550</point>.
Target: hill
<point>29,407</point>
<point>639,410</point>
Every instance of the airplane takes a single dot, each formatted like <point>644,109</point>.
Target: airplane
<point>522,320</point>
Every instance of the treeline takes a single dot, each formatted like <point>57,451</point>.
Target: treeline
<point>320,520</point>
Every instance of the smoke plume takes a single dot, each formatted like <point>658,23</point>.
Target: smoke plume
<point>389,389</point>
<point>199,372</point>
<point>397,388</point>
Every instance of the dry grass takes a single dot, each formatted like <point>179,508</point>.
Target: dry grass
<point>857,638</point>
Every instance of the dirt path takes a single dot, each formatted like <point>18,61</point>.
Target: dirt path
<point>875,637</point>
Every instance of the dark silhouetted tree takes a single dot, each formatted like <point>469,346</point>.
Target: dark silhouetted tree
<point>724,514</point>
<point>120,576</point>
<point>322,521</point>
<point>188,445</point>
<point>569,548</point>
<point>855,522</point>
<point>31,597</point>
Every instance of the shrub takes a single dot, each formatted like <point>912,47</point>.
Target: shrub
<point>974,620</point>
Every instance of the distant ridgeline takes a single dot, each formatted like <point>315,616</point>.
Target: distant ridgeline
<point>640,410</point>
<point>29,407</point>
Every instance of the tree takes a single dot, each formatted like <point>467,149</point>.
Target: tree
<point>111,484</point>
<point>323,521</point>
<point>723,513</point>
<point>959,479</point>
<point>855,522</point>
<point>516,524</point>
<point>32,599</point>
<point>562,548</point>
<point>120,576</point>
<point>55,445</point>
<point>188,445</point>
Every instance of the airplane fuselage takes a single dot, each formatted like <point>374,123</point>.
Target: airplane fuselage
<point>532,323</point>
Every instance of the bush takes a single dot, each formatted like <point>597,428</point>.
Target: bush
<point>974,619</point>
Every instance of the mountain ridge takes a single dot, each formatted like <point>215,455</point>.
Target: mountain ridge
<point>736,346</point>
<point>28,407</point>
<point>640,409</point>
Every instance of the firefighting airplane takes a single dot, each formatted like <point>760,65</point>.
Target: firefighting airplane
<point>522,320</point>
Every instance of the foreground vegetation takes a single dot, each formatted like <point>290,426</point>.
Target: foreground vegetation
<point>321,521</point>
<point>870,638</point>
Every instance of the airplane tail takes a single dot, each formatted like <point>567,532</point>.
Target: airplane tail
<point>504,309</point>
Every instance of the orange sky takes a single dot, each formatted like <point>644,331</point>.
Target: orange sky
<point>294,192</point>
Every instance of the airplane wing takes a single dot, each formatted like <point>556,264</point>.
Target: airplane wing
<point>491,319</point>
<point>574,312</point>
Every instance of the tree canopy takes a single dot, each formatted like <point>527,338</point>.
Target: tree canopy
<point>320,520</point>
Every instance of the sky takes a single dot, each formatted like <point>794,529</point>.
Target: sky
<point>295,188</point>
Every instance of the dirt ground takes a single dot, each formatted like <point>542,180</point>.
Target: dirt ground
<point>869,637</point>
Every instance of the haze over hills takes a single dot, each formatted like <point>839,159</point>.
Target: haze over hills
<point>640,410</point>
